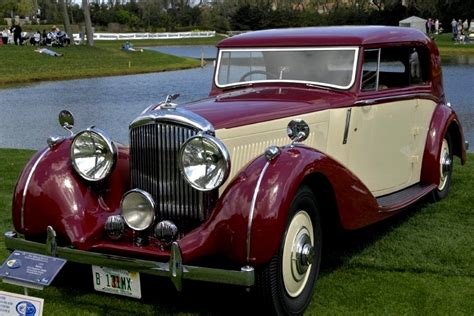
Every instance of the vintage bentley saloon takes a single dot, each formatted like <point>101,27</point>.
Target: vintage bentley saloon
<point>303,129</point>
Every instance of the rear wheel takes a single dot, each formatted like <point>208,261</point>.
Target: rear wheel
<point>446,170</point>
<point>286,284</point>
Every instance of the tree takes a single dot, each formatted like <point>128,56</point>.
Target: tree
<point>88,22</point>
<point>25,7</point>
<point>67,24</point>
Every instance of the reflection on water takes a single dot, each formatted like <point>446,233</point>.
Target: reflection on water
<point>458,60</point>
<point>28,114</point>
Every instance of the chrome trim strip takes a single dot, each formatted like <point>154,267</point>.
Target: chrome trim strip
<point>176,116</point>
<point>243,277</point>
<point>311,83</point>
<point>378,71</point>
<point>395,98</point>
<point>27,184</point>
<point>346,128</point>
<point>252,208</point>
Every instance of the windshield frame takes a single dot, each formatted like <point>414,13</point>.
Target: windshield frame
<point>288,49</point>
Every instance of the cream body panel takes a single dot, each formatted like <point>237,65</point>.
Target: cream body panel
<point>387,143</point>
<point>245,143</point>
<point>384,148</point>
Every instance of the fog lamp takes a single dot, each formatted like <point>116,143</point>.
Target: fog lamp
<point>115,227</point>
<point>138,209</point>
<point>166,232</point>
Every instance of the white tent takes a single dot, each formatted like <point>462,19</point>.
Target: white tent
<point>414,22</point>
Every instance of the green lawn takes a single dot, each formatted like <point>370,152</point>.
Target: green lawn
<point>22,64</point>
<point>419,263</point>
<point>447,47</point>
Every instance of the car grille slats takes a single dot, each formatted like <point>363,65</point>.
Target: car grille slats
<point>154,150</point>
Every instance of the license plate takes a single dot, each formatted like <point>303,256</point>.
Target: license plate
<point>121,282</point>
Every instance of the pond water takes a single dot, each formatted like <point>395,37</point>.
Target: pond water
<point>28,114</point>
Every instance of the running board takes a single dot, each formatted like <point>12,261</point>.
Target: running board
<point>401,199</point>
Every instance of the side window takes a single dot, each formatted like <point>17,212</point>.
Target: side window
<point>370,70</point>
<point>394,67</point>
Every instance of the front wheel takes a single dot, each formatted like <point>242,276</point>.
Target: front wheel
<point>446,170</point>
<point>286,284</point>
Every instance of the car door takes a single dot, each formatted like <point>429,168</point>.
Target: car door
<point>383,136</point>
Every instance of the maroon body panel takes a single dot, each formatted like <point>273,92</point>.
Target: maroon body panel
<point>444,119</point>
<point>250,106</point>
<point>324,36</point>
<point>57,196</point>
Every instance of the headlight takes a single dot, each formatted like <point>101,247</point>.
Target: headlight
<point>93,155</point>
<point>204,162</point>
<point>138,209</point>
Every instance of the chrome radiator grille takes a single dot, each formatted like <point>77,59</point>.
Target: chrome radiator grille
<point>154,150</point>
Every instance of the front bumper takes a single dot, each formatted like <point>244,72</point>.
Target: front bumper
<point>174,269</point>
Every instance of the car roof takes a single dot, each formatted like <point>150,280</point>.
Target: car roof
<point>326,36</point>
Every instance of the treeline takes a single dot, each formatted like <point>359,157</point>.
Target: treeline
<point>225,15</point>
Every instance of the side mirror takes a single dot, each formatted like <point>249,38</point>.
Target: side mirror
<point>297,130</point>
<point>66,120</point>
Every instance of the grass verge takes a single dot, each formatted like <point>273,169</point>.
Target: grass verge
<point>21,64</point>
<point>447,47</point>
<point>419,262</point>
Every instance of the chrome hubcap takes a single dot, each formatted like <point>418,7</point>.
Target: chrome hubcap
<point>445,164</point>
<point>304,253</point>
<point>298,253</point>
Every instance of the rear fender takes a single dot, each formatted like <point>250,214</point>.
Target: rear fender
<point>444,121</point>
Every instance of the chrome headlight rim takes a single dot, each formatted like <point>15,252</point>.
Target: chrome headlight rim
<point>222,149</point>
<point>149,199</point>
<point>110,145</point>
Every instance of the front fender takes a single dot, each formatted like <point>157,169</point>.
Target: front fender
<point>228,227</point>
<point>294,167</point>
<point>49,192</point>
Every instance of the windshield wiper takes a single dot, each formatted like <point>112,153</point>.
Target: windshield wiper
<point>244,85</point>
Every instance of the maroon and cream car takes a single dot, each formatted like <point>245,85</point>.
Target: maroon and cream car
<point>303,129</point>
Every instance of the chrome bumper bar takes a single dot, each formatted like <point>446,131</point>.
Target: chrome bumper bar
<point>174,269</point>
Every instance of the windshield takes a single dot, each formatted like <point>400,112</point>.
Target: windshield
<point>331,67</point>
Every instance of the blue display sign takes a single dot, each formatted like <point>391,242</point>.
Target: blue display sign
<point>30,269</point>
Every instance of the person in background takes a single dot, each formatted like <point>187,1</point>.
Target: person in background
<point>454,26</point>
<point>44,35</point>
<point>436,26</point>
<point>459,26</point>
<point>465,25</point>
<point>428,26</point>
<point>16,30</point>
<point>5,35</point>
<point>37,38</point>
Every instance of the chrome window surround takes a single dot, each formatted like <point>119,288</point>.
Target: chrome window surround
<point>310,83</point>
